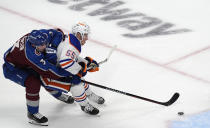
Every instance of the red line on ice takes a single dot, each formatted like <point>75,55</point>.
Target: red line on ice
<point>188,55</point>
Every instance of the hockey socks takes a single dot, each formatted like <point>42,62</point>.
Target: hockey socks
<point>80,97</point>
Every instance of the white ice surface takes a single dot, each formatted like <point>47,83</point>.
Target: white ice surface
<point>140,66</point>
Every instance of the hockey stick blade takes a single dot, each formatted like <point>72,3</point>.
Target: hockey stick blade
<point>172,100</point>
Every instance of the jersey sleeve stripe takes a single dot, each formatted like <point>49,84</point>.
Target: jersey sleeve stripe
<point>61,61</point>
<point>69,65</point>
<point>66,63</point>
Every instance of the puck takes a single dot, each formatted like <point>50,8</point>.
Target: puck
<point>180,113</point>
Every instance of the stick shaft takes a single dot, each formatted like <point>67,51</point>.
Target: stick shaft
<point>105,60</point>
<point>171,101</point>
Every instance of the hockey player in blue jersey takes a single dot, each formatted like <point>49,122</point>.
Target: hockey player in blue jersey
<point>26,60</point>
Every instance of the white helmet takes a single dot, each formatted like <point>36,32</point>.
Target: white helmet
<point>82,28</point>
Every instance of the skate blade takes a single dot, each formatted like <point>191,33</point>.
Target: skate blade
<point>36,123</point>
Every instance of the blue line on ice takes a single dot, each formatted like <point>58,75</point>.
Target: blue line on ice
<point>201,120</point>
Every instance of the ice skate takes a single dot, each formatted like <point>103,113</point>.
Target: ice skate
<point>88,108</point>
<point>66,98</point>
<point>37,119</point>
<point>95,98</point>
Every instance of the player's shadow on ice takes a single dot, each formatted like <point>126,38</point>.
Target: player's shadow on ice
<point>62,112</point>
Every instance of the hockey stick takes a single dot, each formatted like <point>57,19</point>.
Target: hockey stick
<point>105,60</point>
<point>110,53</point>
<point>168,103</point>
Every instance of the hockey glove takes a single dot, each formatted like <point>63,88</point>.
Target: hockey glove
<point>93,64</point>
<point>83,71</point>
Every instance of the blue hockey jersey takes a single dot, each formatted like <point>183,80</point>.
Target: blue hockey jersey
<point>24,56</point>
